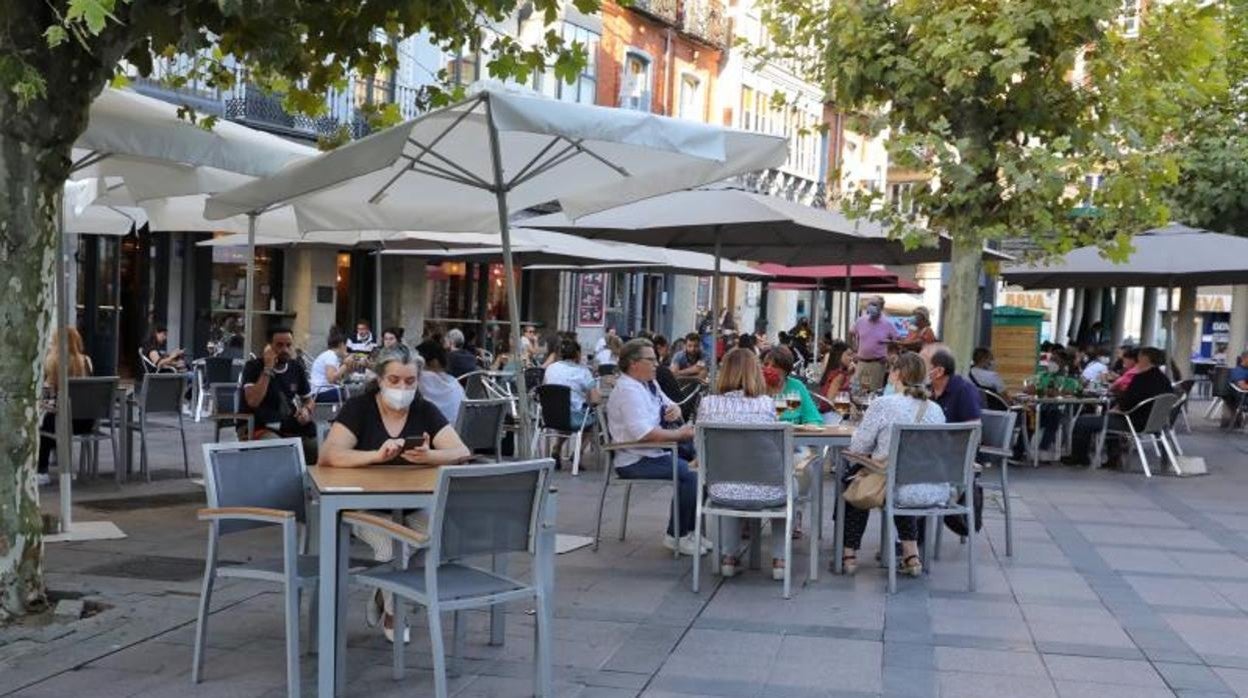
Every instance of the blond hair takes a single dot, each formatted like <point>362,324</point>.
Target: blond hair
<point>911,370</point>
<point>739,370</point>
<point>79,364</point>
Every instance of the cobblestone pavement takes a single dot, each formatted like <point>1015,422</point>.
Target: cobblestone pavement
<point>1119,586</point>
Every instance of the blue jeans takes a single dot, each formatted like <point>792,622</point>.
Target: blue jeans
<point>660,468</point>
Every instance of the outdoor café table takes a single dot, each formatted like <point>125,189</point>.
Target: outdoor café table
<point>829,440</point>
<point>386,487</point>
<point>1071,407</point>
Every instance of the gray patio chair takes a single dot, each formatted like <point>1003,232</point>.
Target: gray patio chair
<point>226,413</point>
<point>609,449</point>
<point>746,472</point>
<point>1239,397</point>
<point>924,453</point>
<point>1156,427</point>
<point>479,511</point>
<point>248,486</point>
<point>1219,386</point>
<point>216,369</point>
<point>93,398</point>
<point>480,425</point>
<point>477,385</point>
<point>995,450</point>
<point>160,395</point>
<point>555,421</point>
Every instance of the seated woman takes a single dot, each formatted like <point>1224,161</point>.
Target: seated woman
<point>79,367</point>
<point>741,398</point>
<point>436,385</point>
<point>837,372</point>
<point>390,424</point>
<point>908,404</point>
<point>777,372</point>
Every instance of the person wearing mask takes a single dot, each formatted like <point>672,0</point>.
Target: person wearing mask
<point>921,333</point>
<point>1149,382</point>
<point>872,332</point>
<point>636,412</point>
<point>436,384</point>
<point>161,358</point>
<point>392,340</point>
<point>1096,367</point>
<point>1122,381</point>
<point>741,398</point>
<point>277,391</point>
<point>460,361</point>
<point>908,404</point>
<point>362,341</point>
<point>1230,399</point>
<point>330,368</point>
<point>664,375</point>
<point>838,371</point>
<point>690,362</point>
<point>777,374</point>
<point>391,423</point>
<point>983,371</point>
<point>957,397</point>
<point>79,366</point>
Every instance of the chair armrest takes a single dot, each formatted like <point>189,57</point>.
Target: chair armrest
<point>416,536</point>
<point>275,516</point>
<point>621,445</point>
<point>995,451</point>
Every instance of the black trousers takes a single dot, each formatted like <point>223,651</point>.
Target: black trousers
<point>47,444</point>
<point>1088,428</point>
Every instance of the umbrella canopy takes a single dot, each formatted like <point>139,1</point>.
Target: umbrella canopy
<point>1173,255</point>
<point>859,273</point>
<point>471,166</point>
<point>894,285</point>
<point>85,217</point>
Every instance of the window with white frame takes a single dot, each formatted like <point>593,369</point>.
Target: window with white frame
<point>748,112</point>
<point>901,196</point>
<point>690,105</point>
<point>1129,17</point>
<point>585,88</point>
<point>636,81</point>
<point>1093,182</point>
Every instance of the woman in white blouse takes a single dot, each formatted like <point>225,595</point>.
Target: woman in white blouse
<point>741,398</point>
<point>908,404</point>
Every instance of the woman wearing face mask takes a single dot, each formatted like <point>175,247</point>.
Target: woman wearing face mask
<point>390,424</point>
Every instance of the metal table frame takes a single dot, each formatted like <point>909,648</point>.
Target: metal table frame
<point>831,444</point>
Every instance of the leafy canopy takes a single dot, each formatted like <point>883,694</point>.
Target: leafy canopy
<point>1009,105</point>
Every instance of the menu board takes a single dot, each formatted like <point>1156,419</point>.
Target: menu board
<point>591,306</point>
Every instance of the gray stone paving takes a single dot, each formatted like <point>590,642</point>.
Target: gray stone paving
<point>1120,586</point>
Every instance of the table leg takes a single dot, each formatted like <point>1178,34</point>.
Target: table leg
<point>1035,440</point>
<point>816,512</point>
<point>343,546</point>
<point>498,619</point>
<point>327,615</point>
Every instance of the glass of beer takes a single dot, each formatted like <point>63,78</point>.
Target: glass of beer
<point>793,400</point>
<point>781,404</point>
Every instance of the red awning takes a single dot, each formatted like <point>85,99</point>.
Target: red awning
<point>799,275</point>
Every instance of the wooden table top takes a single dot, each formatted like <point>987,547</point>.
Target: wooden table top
<point>829,431</point>
<point>381,479</point>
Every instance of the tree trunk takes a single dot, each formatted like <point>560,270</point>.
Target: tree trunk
<point>963,309</point>
<point>30,181</point>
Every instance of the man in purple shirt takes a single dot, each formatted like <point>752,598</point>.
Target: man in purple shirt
<point>872,333</point>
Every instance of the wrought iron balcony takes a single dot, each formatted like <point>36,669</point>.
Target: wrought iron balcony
<point>666,11</point>
<point>706,21</point>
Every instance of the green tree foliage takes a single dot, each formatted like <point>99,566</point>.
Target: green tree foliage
<point>1009,104</point>
<point>57,55</point>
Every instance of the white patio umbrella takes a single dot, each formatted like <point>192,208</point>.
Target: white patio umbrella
<point>471,166</point>
<point>142,143</point>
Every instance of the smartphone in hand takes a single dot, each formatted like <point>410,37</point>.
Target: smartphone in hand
<point>415,442</point>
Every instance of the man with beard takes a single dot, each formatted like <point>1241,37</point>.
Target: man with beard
<point>276,390</point>
<point>689,363</point>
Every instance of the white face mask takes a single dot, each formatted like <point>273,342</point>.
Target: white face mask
<point>398,398</point>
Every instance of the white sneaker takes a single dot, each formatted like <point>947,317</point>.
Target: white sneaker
<point>43,479</point>
<point>686,544</point>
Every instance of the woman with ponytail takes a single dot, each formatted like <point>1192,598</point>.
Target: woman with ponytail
<point>909,403</point>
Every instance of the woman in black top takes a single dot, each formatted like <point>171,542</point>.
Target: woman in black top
<point>374,429</point>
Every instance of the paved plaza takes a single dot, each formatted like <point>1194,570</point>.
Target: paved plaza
<point>1119,586</point>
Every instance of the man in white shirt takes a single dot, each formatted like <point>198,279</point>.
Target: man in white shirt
<point>436,385</point>
<point>362,341</point>
<point>1098,366</point>
<point>328,370</point>
<point>636,411</point>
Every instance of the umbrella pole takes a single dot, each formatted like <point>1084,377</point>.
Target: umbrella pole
<point>64,450</point>
<point>377,292</point>
<point>814,310</point>
<point>513,303</point>
<point>1169,328</point>
<point>248,300</point>
<point>848,285</point>
<point>715,313</point>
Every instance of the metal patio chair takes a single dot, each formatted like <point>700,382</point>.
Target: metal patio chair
<point>226,414</point>
<point>93,398</point>
<point>609,449</point>
<point>160,395</point>
<point>1156,427</point>
<point>555,421</point>
<point>480,425</point>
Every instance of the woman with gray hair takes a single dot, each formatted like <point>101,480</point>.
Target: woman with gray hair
<point>390,424</point>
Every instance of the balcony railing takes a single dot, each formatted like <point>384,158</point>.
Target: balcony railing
<point>666,11</point>
<point>706,21</point>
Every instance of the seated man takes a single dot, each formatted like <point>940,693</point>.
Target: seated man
<point>957,397</point>
<point>276,390</point>
<point>362,342</point>
<point>636,411</point>
<point>1231,399</point>
<point>436,384</point>
<point>330,368</point>
<point>460,361</point>
<point>1148,382</point>
<point>689,362</point>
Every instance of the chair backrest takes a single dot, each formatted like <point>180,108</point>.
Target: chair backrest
<point>218,369</point>
<point>225,397</point>
<point>146,363</point>
<point>997,428</point>
<point>760,454</point>
<point>993,401</point>
<point>534,376</point>
<point>92,397</point>
<point>487,509</point>
<point>255,474</point>
<point>932,453</point>
<point>162,393</point>
<point>475,385</point>
<point>1184,387</point>
<point>1221,381</point>
<point>480,422</point>
<point>608,369</point>
<point>1159,413</point>
<point>556,405</point>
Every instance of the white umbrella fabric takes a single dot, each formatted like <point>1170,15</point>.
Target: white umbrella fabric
<point>471,166</point>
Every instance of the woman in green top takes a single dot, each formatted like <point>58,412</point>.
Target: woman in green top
<point>777,370</point>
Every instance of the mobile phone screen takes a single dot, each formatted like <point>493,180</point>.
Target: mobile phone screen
<point>413,442</point>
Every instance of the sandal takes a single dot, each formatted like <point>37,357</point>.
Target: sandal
<point>729,566</point>
<point>849,563</point>
<point>913,569</point>
<point>777,569</point>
